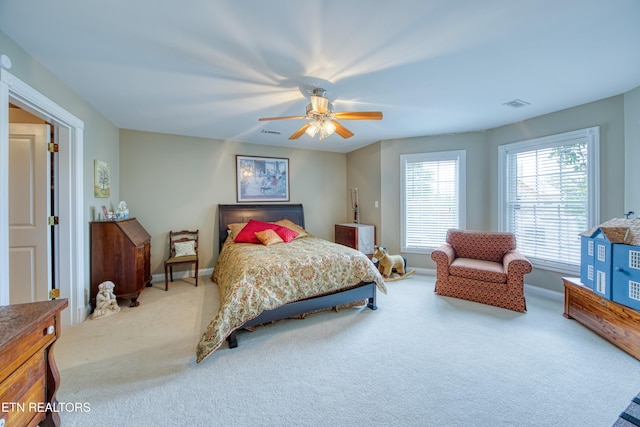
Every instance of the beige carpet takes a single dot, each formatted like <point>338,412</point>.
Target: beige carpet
<point>419,360</point>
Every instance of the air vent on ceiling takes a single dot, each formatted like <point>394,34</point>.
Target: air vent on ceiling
<point>273,132</point>
<point>516,103</point>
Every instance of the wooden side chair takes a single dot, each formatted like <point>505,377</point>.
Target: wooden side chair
<point>183,249</point>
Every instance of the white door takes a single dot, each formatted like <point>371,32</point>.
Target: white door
<point>29,261</point>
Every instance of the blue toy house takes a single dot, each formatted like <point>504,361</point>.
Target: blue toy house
<point>626,275</point>
<point>610,261</point>
<point>587,249</point>
<point>599,263</point>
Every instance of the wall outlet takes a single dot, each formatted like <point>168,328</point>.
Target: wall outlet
<point>375,204</point>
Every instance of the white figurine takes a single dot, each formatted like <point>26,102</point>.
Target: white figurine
<point>106,303</point>
<point>123,210</point>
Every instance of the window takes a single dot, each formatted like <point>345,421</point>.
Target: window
<point>634,260</point>
<point>601,284</point>
<point>634,290</point>
<point>432,199</point>
<point>549,195</point>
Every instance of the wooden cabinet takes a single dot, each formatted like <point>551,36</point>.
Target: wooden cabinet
<point>615,322</point>
<point>357,236</point>
<point>121,253</point>
<point>29,376</point>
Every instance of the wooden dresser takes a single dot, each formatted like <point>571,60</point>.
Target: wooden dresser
<point>28,373</point>
<point>614,322</point>
<point>120,253</point>
<point>357,236</point>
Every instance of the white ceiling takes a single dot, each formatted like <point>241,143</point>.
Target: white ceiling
<point>210,69</point>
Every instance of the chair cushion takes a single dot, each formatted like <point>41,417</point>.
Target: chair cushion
<point>485,245</point>
<point>476,269</point>
<point>181,259</point>
<point>184,248</point>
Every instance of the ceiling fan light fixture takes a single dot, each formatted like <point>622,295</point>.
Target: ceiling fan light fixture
<point>323,120</point>
<point>327,128</point>
<point>324,127</point>
<point>319,104</point>
<point>313,128</point>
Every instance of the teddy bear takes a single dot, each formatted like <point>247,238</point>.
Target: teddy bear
<point>387,264</point>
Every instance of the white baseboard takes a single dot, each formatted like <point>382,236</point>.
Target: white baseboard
<point>423,271</point>
<point>543,292</point>
<point>155,278</point>
<point>536,290</point>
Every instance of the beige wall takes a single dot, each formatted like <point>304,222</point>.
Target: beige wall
<point>482,170</point>
<point>609,115</point>
<point>472,142</point>
<point>363,173</point>
<point>200,173</point>
<point>175,182</point>
<point>632,150</point>
<point>100,135</point>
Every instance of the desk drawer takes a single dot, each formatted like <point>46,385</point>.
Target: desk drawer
<point>33,339</point>
<point>23,393</point>
<point>346,236</point>
<point>361,237</point>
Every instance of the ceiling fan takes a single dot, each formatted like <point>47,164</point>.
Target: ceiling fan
<point>321,118</point>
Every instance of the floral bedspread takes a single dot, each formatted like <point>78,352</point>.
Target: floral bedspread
<point>253,278</point>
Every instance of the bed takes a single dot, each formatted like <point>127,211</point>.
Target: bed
<point>261,284</point>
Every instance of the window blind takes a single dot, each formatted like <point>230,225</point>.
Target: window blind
<point>547,198</point>
<point>431,202</point>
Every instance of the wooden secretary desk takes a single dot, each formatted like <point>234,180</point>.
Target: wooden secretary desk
<point>121,253</point>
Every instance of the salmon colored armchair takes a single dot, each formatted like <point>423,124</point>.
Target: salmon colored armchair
<point>481,266</point>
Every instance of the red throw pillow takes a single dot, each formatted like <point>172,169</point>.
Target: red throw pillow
<point>248,233</point>
<point>286,234</point>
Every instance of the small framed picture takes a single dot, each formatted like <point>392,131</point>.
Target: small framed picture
<point>101,179</point>
<point>105,212</point>
<point>262,179</point>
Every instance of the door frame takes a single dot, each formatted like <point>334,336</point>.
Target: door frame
<point>71,204</point>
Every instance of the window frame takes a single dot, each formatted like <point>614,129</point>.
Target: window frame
<point>460,156</point>
<point>592,138</point>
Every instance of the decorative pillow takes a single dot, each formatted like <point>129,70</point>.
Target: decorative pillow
<point>268,237</point>
<point>248,233</point>
<point>185,248</point>
<point>286,234</point>
<point>293,226</point>
<point>236,228</point>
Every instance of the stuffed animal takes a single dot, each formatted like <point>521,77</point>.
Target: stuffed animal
<point>387,264</point>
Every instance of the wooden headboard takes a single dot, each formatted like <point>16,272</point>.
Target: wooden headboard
<point>229,214</point>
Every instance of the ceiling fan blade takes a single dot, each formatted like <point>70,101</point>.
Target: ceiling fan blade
<point>359,115</point>
<point>297,134</point>
<point>262,119</point>
<point>342,131</point>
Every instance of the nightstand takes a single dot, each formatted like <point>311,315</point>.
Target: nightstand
<point>357,236</point>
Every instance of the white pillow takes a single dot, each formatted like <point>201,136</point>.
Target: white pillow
<point>185,248</point>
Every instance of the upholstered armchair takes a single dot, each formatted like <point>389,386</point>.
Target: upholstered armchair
<point>483,267</point>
